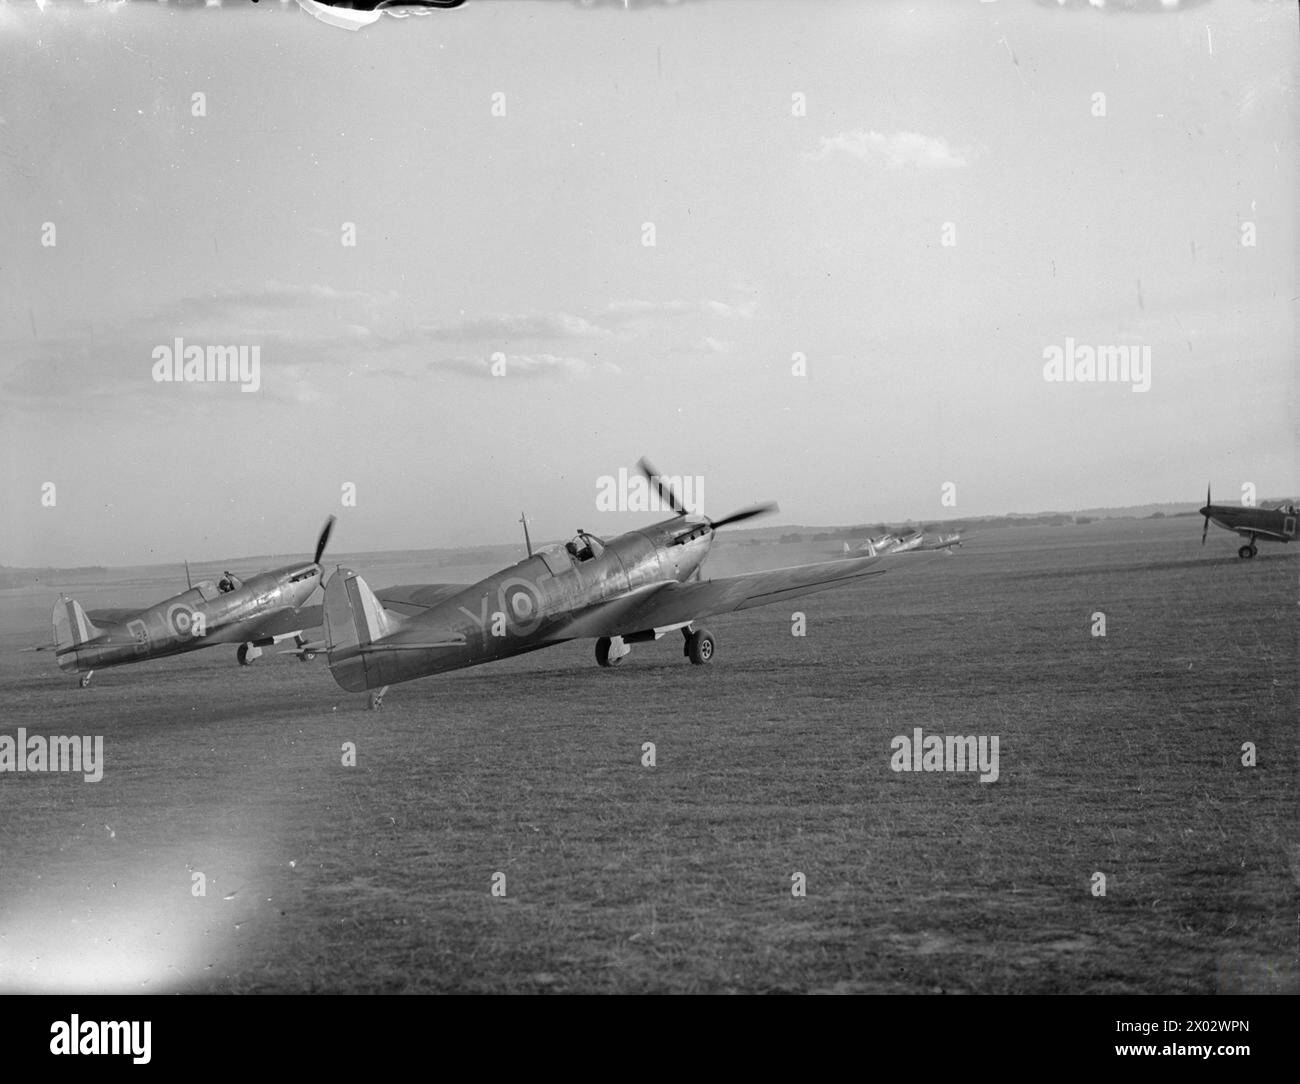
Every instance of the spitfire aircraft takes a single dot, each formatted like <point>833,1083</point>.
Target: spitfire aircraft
<point>891,543</point>
<point>887,543</point>
<point>253,613</point>
<point>622,591</point>
<point>1273,524</point>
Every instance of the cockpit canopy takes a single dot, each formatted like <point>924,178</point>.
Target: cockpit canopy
<point>203,591</point>
<point>229,582</point>
<point>584,546</point>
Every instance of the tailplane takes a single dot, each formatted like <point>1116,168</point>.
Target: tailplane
<point>72,628</point>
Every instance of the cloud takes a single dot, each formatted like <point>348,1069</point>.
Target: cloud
<point>525,365</point>
<point>244,306</point>
<point>744,311</point>
<point>898,151</point>
<point>511,326</point>
<point>638,308</point>
<point>1138,6</point>
<point>306,332</point>
<point>715,346</point>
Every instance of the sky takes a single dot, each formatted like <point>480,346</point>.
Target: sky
<point>872,223</point>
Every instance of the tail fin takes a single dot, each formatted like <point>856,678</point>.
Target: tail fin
<point>354,619</point>
<point>72,628</point>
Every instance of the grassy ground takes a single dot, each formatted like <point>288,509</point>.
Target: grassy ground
<point>1118,755</point>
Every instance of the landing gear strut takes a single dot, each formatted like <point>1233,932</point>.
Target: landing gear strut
<point>85,678</point>
<point>377,698</point>
<point>699,646</point>
<point>610,651</point>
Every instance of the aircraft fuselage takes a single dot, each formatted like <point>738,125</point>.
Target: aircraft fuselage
<point>520,608</point>
<point>199,617</point>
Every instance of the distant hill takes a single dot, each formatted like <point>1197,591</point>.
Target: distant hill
<point>28,577</point>
<point>501,554</point>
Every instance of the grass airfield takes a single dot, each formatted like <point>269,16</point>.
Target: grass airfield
<point>1119,755</point>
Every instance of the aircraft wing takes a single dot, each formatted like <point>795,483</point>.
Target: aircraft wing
<point>415,598</point>
<point>1245,532</point>
<point>671,605</point>
<point>284,622</point>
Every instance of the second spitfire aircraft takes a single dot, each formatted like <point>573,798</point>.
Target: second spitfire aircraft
<point>254,613</point>
<point>1274,524</point>
<point>631,589</point>
<point>888,543</point>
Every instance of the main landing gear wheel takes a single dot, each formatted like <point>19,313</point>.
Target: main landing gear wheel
<point>699,646</point>
<point>247,654</point>
<point>377,698</point>
<point>611,652</point>
<point>85,678</point>
<point>1247,551</point>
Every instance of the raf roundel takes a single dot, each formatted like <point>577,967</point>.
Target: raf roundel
<point>181,619</point>
<point>520,600</point>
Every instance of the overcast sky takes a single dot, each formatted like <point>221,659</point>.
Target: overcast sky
<point>776,235</point>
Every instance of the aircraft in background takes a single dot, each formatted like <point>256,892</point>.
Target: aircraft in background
<point>1273,524</point>
<point>627,590</point>
<point>886,543</point>
<point>254,613</point>
<point>890,543</point>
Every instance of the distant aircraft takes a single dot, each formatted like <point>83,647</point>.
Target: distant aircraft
<point>1273,524</point>
<point>253,613</point>
<point>891,543</point>
<point>630,589</point>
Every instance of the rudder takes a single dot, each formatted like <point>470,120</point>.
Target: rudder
<point>354,619</point>
<point>72,628</point>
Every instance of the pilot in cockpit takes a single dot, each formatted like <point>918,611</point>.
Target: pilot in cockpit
<point>584,546</point>
<point>227,583</point>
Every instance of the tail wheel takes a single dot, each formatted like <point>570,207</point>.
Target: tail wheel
<point>700,646</point>
<point>605,656</point>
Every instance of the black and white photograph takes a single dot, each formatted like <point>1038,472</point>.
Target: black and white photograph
<point>631,497</point>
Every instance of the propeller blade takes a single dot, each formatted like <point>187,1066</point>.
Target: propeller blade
<point>323,541</point>
<point>745,513</point>
<point>1206,529</point>
<point>666,493</point>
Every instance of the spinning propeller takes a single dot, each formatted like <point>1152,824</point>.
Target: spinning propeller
<point>669,498</point>
<point>323,541</point>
